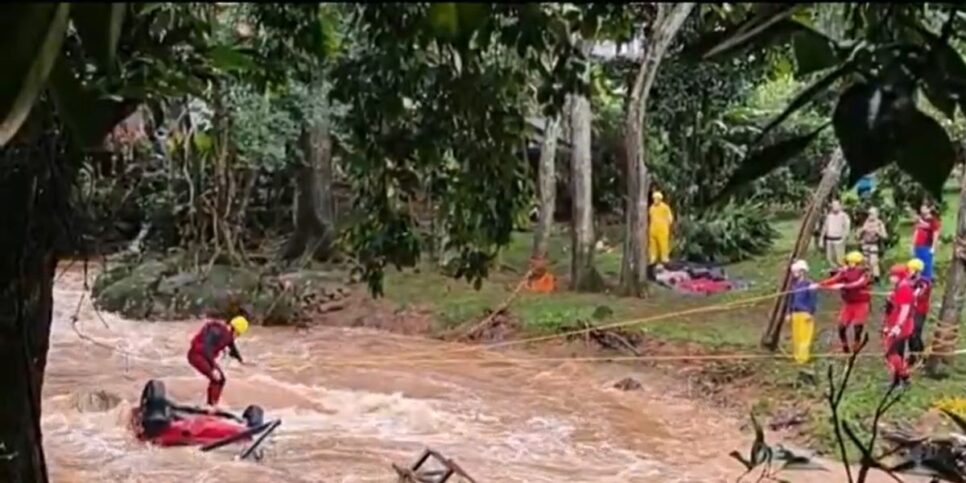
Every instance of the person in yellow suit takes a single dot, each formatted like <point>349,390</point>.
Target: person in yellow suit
<point>659,218</point>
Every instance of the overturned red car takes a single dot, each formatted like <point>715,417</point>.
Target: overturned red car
<point>161,422</point>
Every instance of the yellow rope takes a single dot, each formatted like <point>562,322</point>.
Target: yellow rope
<point>421,356</point>
<point>658,358</point>
<point>559,335</point>
<point>735,304</point>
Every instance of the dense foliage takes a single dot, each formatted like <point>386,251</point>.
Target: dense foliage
<point>419,128</point>
<point>417,133</point>
<point>725,234</point>
<point>882,60</point>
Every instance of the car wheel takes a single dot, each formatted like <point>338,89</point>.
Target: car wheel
<point>253,416</point>
<point>155,411</point>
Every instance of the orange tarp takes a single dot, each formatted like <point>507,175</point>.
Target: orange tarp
<point>540,280</point>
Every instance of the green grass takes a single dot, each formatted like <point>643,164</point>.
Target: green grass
<point>737,330</point>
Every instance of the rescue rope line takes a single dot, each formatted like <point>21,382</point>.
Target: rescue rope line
<point>421,356</point>
<point>413,360</point>
<point>723,306</point>
<point>669,357</point>
<point>74,322</point>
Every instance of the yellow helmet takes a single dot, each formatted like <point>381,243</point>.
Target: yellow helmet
<point>915,265</point>
<point>854,258</point>
<point>239,325</point>
<point>658,196</point>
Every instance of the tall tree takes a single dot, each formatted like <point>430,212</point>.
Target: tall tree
<point>299,43</point>
<point>91,85</point>
<point>426,124</point>
<point>661,32</point>
<point>946,335</point>
<point>314,210</point>
<point>547,174</point>
<point>583,274</point>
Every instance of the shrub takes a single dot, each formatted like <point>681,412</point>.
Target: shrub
<point>733,233</point>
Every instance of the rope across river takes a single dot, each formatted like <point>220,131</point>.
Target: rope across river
<point>437,356</point>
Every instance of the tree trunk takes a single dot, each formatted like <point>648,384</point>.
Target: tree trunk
<point>35,199</point>
<point>830,180</point>
<point>314,211</point>
<point>583,274</point>
<point>946,335</point>
<point>548,188</point>
<point>669,20</point>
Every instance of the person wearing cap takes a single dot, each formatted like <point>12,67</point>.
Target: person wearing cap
<point>660,218</point>
<point>924,238</point>
<point>802,303</point>
<point>898,326</point>
<point>208,343</point>
<point>923,290</point>
<point>871,235</point>
<point>853,282</point>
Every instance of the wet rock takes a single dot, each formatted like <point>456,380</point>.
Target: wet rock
<point>109,276</point>
<point>165,290</point>
<point>276,307</point>
<point>132,295</point>
<point>628,384</point>
<point>95,401</point>
<point>214,291</point>
<point>239,279</point>
<point>170,286</point>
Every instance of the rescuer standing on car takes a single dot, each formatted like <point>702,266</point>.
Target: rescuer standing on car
<point>213,338</point>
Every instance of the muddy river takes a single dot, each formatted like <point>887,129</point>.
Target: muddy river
<point>347,420</point>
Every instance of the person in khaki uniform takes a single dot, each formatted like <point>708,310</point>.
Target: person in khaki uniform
<point>835,232</point>
<point>871,236</point>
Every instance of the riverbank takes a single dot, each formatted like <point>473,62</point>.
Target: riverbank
<point>789,397</point>
<point>697,348</point>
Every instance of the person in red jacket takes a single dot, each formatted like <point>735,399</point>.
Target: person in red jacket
<point>925,236</point>
<point>900,310</point>
<point>208,343</point>
<point>923,289</point>
<point>853,281</point>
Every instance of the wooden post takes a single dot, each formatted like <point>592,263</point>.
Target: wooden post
<point>830,179</point>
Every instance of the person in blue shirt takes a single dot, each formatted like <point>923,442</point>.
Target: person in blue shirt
<point>802,304</point>
<point>864,186</point>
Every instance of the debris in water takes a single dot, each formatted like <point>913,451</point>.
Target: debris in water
<point>628,384</point>
<point>416,474</point>
<point>613,339</point>
<point>788,419</point>
<point>95,401</point>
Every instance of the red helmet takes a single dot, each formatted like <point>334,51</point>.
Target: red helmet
<point>899,270</point>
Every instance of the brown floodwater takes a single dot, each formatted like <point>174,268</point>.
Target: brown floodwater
<point>347,422</point>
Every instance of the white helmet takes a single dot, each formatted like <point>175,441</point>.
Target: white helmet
<point>800,266</point>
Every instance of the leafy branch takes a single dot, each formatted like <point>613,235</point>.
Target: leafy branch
<point>763,454</point>
<point>878,73</point>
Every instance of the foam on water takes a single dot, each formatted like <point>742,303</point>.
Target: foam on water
<point>342,423</point>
